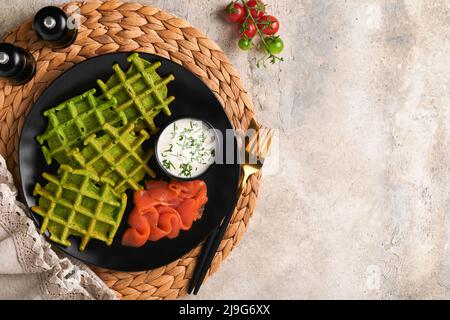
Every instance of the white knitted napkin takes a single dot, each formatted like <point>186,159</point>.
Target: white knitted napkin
<point>29,268</point>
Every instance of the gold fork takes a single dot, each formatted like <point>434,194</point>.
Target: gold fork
<point>255,152</point>
<point>257,148</point>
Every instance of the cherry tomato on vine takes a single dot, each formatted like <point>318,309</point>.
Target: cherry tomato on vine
<point>247,29</point>
<point>274,45</point>
<point>235,12</point>
<point>245,44</point>
<point>257,8</point>
<point>269,25</point>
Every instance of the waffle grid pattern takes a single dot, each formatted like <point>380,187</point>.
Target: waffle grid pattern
<point>89,132</point>
<point>71,204</point>
<point>72,121</point>
<point>136,87</point>
<point>117,157</point>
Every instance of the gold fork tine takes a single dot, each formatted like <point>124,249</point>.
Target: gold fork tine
<point>260,137</point>
<point>254,148</point>
<point>251,141</point>
<point>261,147</point>
<point>267,144</point>
<point>253,126</point>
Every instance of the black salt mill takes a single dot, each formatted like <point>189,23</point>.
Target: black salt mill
<point>17,65</point>
<point>52,25</point>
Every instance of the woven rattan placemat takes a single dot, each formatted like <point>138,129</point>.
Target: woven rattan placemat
<point>113,26</point>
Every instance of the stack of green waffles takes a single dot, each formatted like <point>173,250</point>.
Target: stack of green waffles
<point>97,141</point>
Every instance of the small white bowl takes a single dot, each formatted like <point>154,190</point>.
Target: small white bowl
<point>158,147</point>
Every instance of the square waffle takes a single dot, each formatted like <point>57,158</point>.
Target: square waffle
<point>72,121</point>
<point>116,156</point>
<point>73,203</point>
<point>140,92</point>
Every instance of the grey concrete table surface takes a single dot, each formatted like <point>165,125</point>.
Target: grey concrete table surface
<point>359,206</point>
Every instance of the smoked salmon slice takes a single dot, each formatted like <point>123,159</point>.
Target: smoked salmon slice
<point>138,234</point>
<point>164,209</point>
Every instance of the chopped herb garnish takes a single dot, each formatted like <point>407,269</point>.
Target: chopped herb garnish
<point>186,169</point>
<point>170,148</point>
<point>168,164</point>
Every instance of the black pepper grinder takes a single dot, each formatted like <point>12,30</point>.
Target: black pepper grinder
<point>17,65</point>
<point>51,25</point>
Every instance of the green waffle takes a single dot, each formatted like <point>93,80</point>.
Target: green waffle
<point>98,143</point>
<point>117,156</point>
<point>140,92</point>
<point>74,120</point>
<point>74,203</point>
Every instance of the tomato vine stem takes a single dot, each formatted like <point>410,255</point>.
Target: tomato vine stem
<point>269,56</point>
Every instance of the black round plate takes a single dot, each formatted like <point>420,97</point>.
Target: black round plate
<point>192,98</point>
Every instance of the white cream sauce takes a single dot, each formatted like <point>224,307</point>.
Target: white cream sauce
<point>186,148</point>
